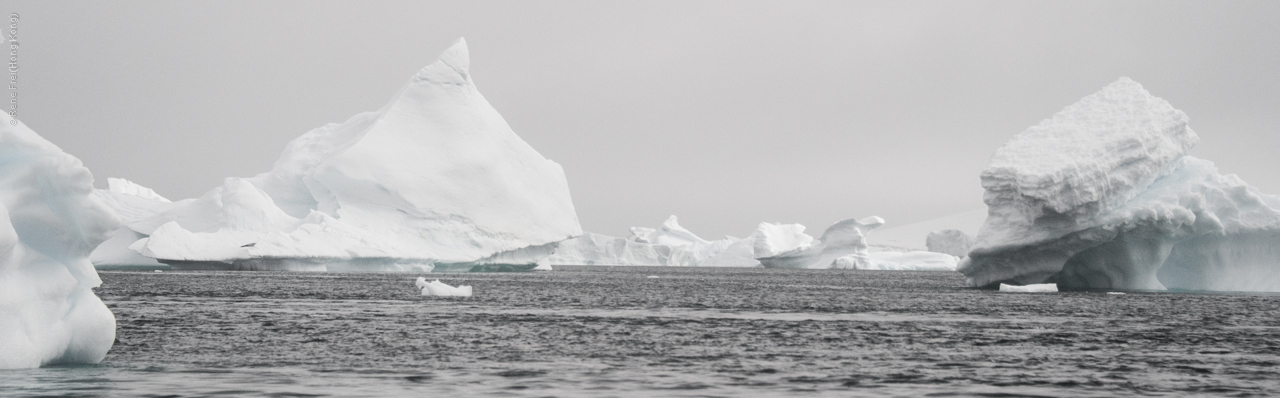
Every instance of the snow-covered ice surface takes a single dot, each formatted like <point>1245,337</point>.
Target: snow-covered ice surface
<point>49,223</point>
<point>889,260</point>
<point>132,203</point>
<point>780,247</point>
<point>668,245</point>
<point>438,288</point>
<point>1103,196</point>
<point>1034,288</point>
<point>435,180</point>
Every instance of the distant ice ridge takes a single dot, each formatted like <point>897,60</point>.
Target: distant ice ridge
<point>770,245</point>
<point>1103,196</point>
<point>49,223</point>
<point>669,245</point>
<point>435,180</point>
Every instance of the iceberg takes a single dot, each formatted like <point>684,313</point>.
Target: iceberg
<point>889,260</point>
<point>783,246</point>
<point>772,245</point>
<point>597,249</point>
<point>438,288</point>
<point>669,245</point>
<point>49,223</point>
<point>434,181</point>
<point>1104,196</point>
<point>1036,288</point>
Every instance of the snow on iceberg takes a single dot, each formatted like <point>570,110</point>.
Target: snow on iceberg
<point>669,245</point>
<point>438,288</point>
<point>788,247</point>
<point>1103,196</point>
<point>771,245</point>
<point>50,223</point>
<point>131,203</point>
<point>889,260</point>
<point>435,180</point>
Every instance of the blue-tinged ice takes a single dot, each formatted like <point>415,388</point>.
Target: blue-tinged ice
<point>49,223</point>
<point>1103,196</point>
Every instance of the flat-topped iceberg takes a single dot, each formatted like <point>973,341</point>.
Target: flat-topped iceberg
<point>1103,196</point>
<point>49,223</point>
<point>435,180</point>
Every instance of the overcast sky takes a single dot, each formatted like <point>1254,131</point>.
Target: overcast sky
<point>724,113</point>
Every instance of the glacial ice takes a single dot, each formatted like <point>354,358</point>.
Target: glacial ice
<point>435,180</point>
<point>50,223</point>
<point>1035,288</point>
<point>1103,196</point>
<point>438,288</point>
<point>131,202</point>
<point>889,260</point>
<point>126,187</point>
<point>780,247</point>
<point>669,245</point>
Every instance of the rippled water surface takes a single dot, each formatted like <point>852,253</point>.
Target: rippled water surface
<point>614,331</point>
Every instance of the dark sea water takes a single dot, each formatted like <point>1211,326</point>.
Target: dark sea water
<point>614,331</point>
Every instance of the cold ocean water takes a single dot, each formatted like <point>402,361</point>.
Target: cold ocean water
<point>615,331</point>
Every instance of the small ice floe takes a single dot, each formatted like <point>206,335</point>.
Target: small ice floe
<point>542,266</point>
<point>1117,293</point>
<point>438,288</point>
<point>652,277</point>
<point>158,271</point>
<point>1035,288</point>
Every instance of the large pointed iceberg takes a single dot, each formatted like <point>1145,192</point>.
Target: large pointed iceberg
<point>436,179</point>
<point>1102,195</point>
<point>49,223</point>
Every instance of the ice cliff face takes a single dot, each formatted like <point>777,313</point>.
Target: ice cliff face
<point>50,223</point>
<point>1102,195</point>
<point>436,179</point>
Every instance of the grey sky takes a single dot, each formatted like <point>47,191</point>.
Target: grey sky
<point>724,113</point>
